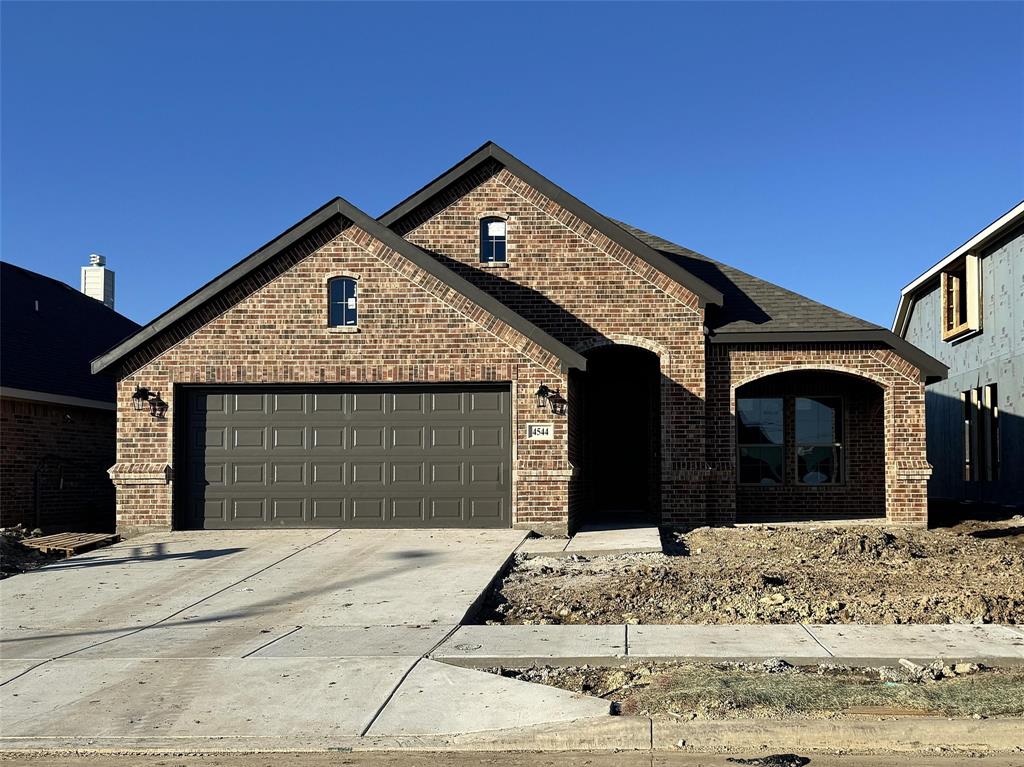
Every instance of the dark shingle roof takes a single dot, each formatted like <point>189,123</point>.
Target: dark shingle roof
<point>752,305</point>
<point>49,349</point>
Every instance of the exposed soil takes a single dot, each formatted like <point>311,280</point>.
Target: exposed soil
<point>970,573</point>
<point>775,689</point>
<point>15,557</point>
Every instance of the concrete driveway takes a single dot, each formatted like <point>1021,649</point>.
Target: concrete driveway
<point>261,634</point>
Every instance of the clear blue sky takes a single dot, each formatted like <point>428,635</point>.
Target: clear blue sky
<point>837,149</point>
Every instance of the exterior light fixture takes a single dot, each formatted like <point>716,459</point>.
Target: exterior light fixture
<point>547,397</point>
<point>542,396</point>
<point>141,397</point>
<point>558,403</point>
<point>157,407</point>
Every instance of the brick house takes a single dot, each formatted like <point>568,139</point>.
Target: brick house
<point>494,352</point>
<point>57,420</point>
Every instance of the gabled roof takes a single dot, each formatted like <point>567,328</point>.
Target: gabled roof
<point>1012,218</point>
<point>333,210</point>
<point>491,152</point>
<point>48,333</point>
<point>758,311</point>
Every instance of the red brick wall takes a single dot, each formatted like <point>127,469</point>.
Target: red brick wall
<point>412,328</point>
<point>904,465</point>
<point>72,447</point>
<point>586,291</point>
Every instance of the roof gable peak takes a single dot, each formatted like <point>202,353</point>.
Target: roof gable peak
<point>491,151</point>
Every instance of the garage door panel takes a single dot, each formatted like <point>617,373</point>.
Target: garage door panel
<point>368,438</point>
<point>446,473</point>
<point>366,474</point>
<point>368,403</point>
<point>364,509</point>
<point>288,508</point>
<point>486,436</point>
<point>328,403</point>
<point>288,474</point>
<point>408,474</point>
<point>248,474</point>
<point>209,403</point>
<point>212,437</point>
<point>326,474</point>
<point>486,508</point>
<point>289,403</point>
<point>446,509</point>
<point>288,437</point>
<point>404,438</point>
<point>249,436</point>
<point>248,508</point>
<point>328,509</point>
<point>446,437</point>
<point>250,403</point>
<point>407,509</point>
<point>447,403</point>
<point>398,456</point>
<point>328,437</point>
<point>485,475</point>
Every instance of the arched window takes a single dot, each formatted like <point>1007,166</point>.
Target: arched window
<point>492,240</point>
<point>341,302</point>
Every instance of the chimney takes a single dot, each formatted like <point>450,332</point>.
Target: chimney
<point>98,281</point>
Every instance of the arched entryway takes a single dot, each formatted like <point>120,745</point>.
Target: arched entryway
<point>810,445</point>
<point>619,434</point>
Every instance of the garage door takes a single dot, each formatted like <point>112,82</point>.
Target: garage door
<point>368,456</point>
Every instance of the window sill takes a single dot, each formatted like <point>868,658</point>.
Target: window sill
<point>343,329</point>
<point>494,264</point>
<point>961,334</point>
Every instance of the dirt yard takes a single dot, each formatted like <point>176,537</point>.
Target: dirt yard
<point>15,557</point>
<point>775,689</point>
<point>970,573</point>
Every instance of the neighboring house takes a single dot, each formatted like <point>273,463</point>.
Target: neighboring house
<point>968,311</point>
<point>57,420</point>
<point>494,352</point>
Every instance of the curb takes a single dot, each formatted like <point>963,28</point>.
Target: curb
<point>901,735</point>
<point>613,733</point>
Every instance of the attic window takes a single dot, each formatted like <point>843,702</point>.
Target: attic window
<point>961,298</point>
<point>341,302</point>
<point>492,240</point>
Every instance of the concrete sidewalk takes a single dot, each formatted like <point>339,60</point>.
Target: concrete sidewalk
<point>482,646</point>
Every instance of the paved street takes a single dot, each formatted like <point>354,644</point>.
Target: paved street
<point>474,759</point>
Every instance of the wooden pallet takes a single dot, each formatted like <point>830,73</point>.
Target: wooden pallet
<point>70,544</point>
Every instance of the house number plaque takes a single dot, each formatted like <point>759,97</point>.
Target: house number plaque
<point>540,431</point>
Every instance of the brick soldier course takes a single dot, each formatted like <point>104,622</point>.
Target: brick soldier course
<point>574,283</point>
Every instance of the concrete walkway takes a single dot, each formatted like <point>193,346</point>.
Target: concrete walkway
<point>599,539</point>
<point>482,646</point>
<point>261,634</point>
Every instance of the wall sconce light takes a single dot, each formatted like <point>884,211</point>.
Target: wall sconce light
<point>143,397</point>
<point>547,397</point>
<point>157,407</point>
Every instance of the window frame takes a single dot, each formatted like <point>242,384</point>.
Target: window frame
<point>484,222</point>
<point>741,445</point>
<point>343,279</point>
<point>980,429</point>
<point>839,446</point>
<point>960,298</point>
